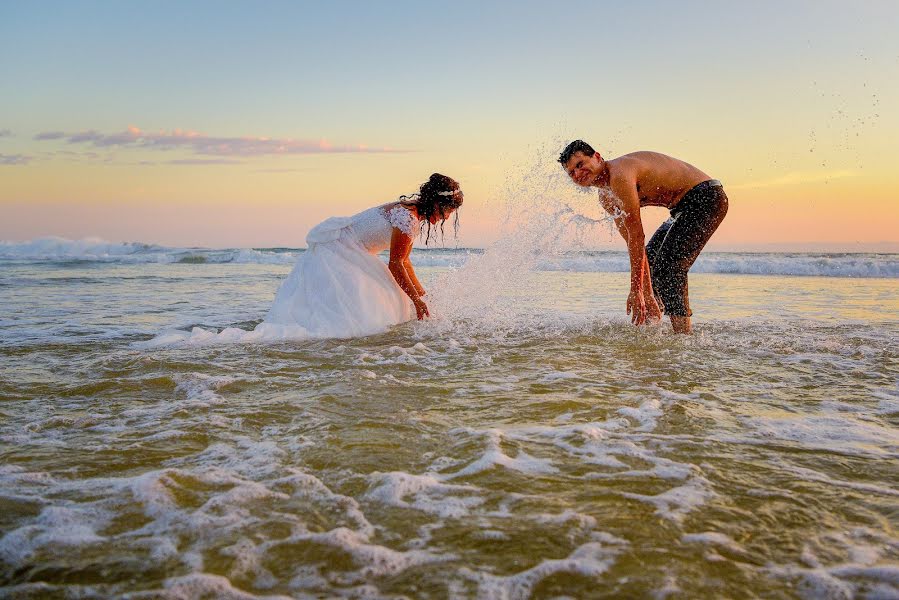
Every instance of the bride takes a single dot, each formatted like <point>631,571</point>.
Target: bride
<point>340,288</point>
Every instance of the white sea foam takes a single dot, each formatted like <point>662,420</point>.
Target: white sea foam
<point>589,560</point>
<point>577,519</point>
<point>841,433</point>
<point>200,387</point>
<point>811,475</point>
<point>668,588</point>
<point>57,529</point>
<point>677,502</point>
<point>426,493</point>
<point>646,414</point>
<point>866,570</point>
<point>714,538</point>
<point>233,504</point>
<point>495,457</point>
<point>204,585</point>
<point>374,560</point>
<point>590,443</point>
<point>555,376</point>
<point>267,333</point>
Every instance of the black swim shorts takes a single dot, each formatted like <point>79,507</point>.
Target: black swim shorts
<point>675,246</point>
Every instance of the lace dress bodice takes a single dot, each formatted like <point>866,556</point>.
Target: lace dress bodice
<point>372,228</point>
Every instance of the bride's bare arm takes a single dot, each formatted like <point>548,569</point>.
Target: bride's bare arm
<point>402,271</point>
<point>413,277</point>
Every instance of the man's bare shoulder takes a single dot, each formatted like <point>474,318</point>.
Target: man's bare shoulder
<point>635,165</point>
<point>641,158</point>
<point>627,167</point>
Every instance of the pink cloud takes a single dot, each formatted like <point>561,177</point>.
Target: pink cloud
<point>205,161</point>
<point>14,159</point>
<point>198,143</point>
<point>50,135</point>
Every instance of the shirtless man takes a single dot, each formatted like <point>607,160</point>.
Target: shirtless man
<point>697,204</point>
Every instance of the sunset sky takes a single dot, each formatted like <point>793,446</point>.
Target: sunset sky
<point>243,124</point>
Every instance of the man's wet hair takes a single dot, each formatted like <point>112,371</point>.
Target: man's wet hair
<point>575,146</point>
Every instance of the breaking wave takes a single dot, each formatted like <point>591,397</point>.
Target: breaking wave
<point>54,249</point>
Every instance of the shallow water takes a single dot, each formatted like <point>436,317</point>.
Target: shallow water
<point>526,442</point>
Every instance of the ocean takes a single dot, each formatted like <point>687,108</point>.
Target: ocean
<point>525,442</point>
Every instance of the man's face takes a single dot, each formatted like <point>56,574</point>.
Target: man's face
<point>584,169</point>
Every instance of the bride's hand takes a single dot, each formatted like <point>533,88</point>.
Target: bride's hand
<point>421,309</point>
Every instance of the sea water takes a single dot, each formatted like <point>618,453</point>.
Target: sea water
<point>527,441</point>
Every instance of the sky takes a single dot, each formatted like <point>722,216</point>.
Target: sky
<point>237,124</point>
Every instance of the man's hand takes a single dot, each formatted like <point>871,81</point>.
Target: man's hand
<point>653,311</point>
<point>636,306</point>
<point>421,309</point>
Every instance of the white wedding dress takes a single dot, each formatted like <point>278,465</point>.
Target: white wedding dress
<point>339,287</point>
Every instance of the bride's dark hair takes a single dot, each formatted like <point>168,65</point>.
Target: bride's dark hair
<point>433,198</point>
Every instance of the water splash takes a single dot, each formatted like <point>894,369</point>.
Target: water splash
<point>543,219</point>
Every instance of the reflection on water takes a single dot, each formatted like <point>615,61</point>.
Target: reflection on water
<point>529,443</point>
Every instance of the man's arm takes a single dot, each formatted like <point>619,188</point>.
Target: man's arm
<point>627,219</point>
<point>652,307</point>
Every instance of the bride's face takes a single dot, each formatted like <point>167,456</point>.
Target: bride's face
<point>444,213</point>
<point>441,215</point>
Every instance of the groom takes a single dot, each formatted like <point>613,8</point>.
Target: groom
<point>697,204</point>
